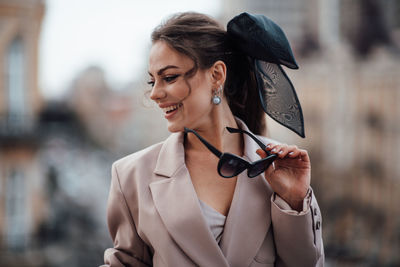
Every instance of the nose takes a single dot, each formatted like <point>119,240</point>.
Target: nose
<point>157,93</point>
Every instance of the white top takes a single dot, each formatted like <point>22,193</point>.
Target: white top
<point>214,220</point>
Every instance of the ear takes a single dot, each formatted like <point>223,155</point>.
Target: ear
<point>218,73</point>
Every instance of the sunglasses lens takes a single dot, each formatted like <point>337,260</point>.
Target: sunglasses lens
<point>260,166</point>
<point>231,167</point>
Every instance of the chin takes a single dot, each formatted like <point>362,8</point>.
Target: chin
<point>174,128</point>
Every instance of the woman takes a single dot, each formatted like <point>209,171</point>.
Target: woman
<point>169,205</point>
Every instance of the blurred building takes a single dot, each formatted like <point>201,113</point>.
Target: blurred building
<point>19,35</point>
<point>20,102</point>
<point>295,17</point>
<point>311,24</point>
<point>55,157</point>
<point>349,86</point>
<point>99,106</point>
<point>120,120</point>
<point>54,177</point>
<point>352,122</point>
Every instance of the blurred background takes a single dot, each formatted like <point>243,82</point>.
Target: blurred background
<point>72,100</point>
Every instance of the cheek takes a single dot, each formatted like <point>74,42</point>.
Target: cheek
<point>198,103</point>
<point>179,91</point>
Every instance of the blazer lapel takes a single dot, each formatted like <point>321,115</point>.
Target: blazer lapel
<point>176,201</point>
<point>249,217</point>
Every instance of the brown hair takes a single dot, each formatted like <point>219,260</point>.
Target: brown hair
<point>203,40</point>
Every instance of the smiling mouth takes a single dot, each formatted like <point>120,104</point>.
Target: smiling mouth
<point>172,108</point>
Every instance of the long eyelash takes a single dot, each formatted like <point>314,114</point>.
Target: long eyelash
<point>171,78</point>
<point>167,79</point>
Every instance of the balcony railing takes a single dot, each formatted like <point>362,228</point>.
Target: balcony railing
<point>17,129</point>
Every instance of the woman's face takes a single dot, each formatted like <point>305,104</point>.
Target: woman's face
<point>186,102</point>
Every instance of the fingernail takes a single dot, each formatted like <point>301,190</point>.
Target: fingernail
<point>280,152</point>
<point>273,150</point>
<point>291,153</point>
<point>268,145</point>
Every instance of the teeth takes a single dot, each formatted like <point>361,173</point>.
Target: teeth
<point>171,108</point>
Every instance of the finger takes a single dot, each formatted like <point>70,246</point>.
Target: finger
<point>268,173</point>
<point>273,148</point>
<point>269,146</point>
<point>281,150</point>
<point>294,154</point>
<point>261,153</point>
<point>304,155</point>
<point>294,151</point>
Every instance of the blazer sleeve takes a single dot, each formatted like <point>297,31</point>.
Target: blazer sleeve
<point>298,237</point>
<point>129,249</point>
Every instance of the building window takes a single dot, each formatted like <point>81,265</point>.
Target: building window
<point>15,86</point>
<point>16,212</point>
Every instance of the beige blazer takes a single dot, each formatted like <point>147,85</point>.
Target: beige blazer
<point>155,219</point>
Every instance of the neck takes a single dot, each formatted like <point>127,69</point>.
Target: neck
<point>214,131</point>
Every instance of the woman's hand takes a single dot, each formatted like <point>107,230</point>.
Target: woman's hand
<point>290,174</point>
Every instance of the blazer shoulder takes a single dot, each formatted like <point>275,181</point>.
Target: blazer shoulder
<point>142,158</point>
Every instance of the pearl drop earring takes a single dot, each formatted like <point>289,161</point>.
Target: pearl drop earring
<point>216,99</point>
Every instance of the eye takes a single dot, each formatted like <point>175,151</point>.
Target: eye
<point>170,78</point>
<point>151,83</point>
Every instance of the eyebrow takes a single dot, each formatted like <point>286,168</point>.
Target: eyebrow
<point>164,69</point>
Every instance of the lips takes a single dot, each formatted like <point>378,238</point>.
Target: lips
<point>171,108</point>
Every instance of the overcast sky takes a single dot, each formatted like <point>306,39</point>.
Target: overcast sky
<point>112,34</point>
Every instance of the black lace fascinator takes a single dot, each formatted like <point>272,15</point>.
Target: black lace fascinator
<point>264,41</point>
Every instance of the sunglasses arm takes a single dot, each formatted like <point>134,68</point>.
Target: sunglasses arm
<point>215,151</point>
<point>233,130</point>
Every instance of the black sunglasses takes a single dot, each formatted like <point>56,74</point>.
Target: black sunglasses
<point>230,165</point>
